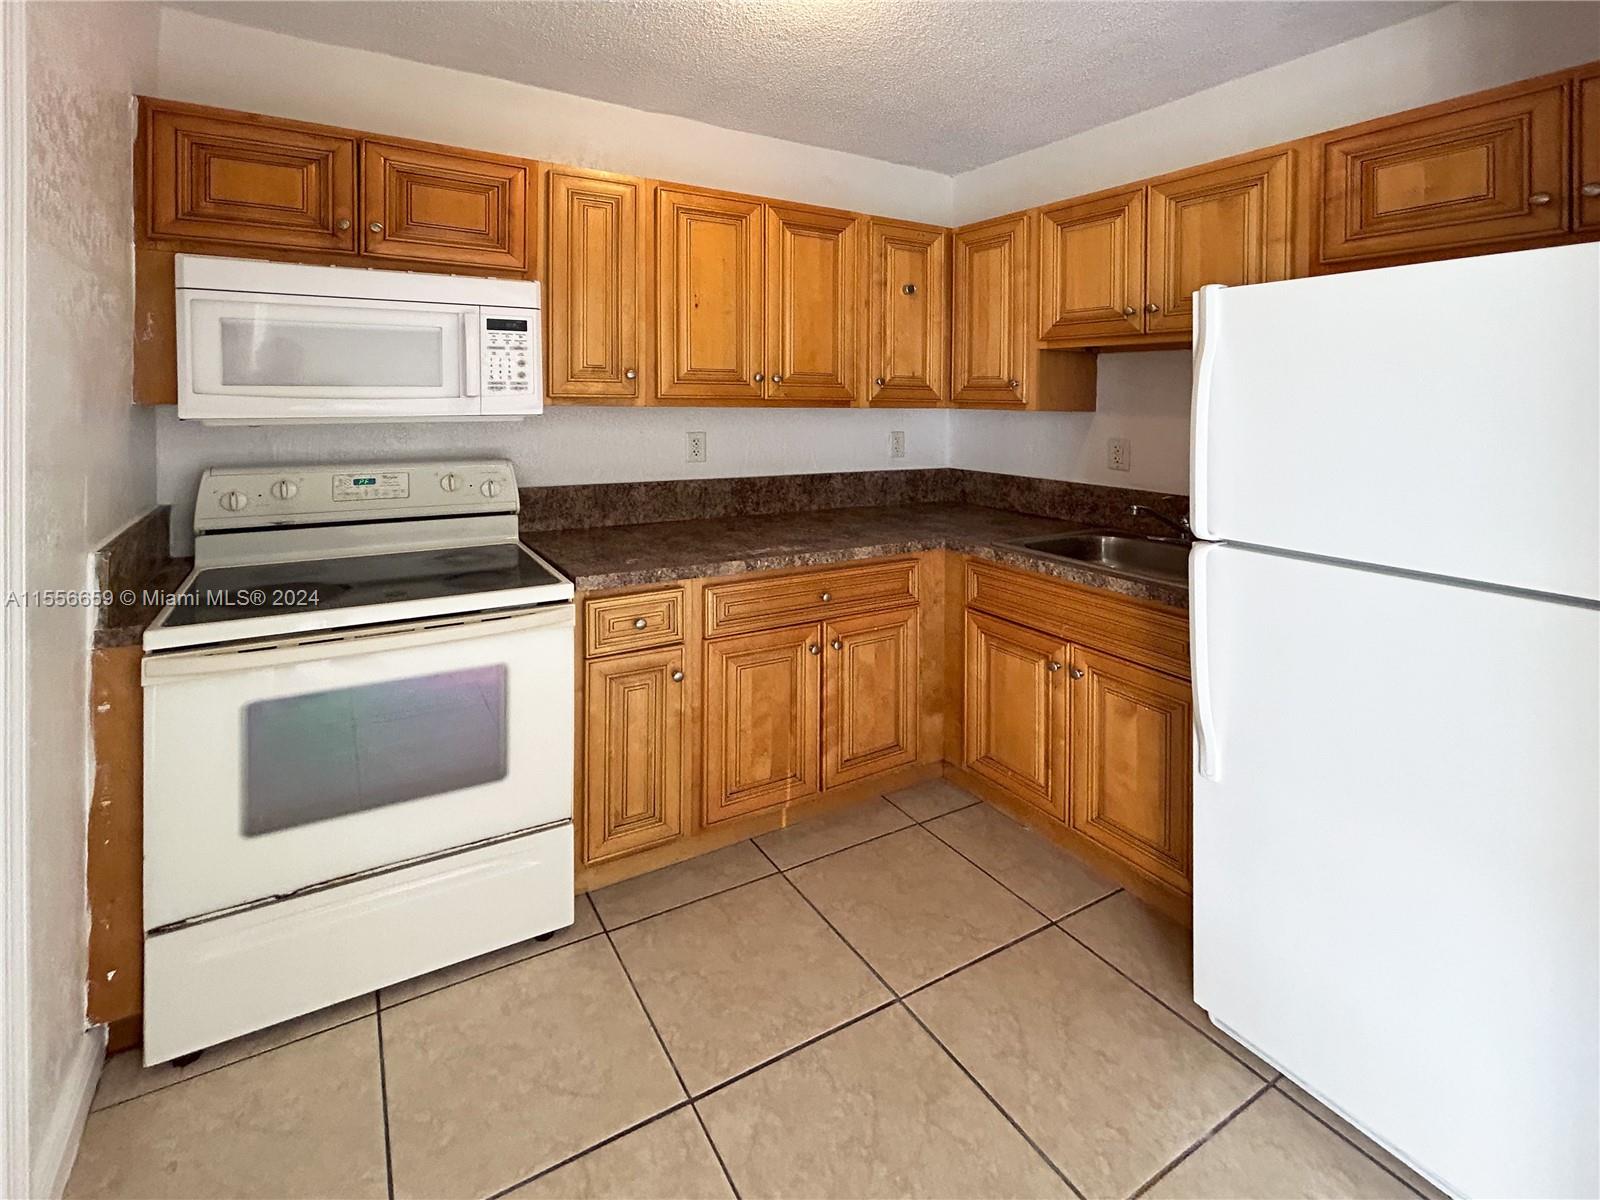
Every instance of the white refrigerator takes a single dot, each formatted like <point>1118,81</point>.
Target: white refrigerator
<point>1395,608</point>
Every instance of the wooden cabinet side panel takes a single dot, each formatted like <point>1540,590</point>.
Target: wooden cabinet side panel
<point>1016,711</point>
<point>907,314</point>
<point>634,760</point>
<point>871,691</point>
<point>115,868</point>
<point>812,317</point>
<point>594,310</point>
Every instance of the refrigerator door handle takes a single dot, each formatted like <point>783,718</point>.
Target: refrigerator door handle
<point>1208,749</point>
<point>1207,336</point>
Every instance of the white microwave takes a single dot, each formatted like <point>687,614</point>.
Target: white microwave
<point>265,342</point>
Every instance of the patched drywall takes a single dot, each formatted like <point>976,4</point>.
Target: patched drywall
<point>90,468</point>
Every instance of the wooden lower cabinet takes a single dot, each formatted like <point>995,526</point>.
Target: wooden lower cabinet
<point>633,778</point>
<point>870,700</point>
<point>762,706</point>
<point>1130,754</point>
<point>1016,710</point>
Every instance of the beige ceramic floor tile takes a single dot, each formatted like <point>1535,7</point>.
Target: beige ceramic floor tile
<point>875,1110</point>
<point>669,1159</point>
<point>733,980</point>
<point>931,798</point>
<point>645,895</point>
<point>1049,879</point>
<point>495,1079</point>
<point>823,835</point>
<point>1156,953</point>
<point>1325,1114</point>
<point>302,1120</point>
<point>1274,1150</point>
<point>1110,1084</point>
<point>125,1076</point>
<point>912,906</point>
<point>584,924</point>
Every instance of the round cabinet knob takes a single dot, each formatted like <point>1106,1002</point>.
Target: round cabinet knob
<point>758,376</point>
<point>878,382</point>
<point>826,596</point>
<point>342,224</point>
<point>814,648</point>
<point>836,644</point>
<point>450,482</point>
<point>490,488</point>
<point>640,623</point>
<point>630,373</point>
<point>234,501</point>
<point>777,379</point>
<point>1055,666</point>
<point>1540,198</point>
<point>1012,383</point>
<point>677,677</point>
<point>285,489</point>
<point>1129,311</point>
<point>1152,307</point>
<point>376,227</point>
<point>909,289</point>
<point>1076,672</point>
<point>1591,190</point>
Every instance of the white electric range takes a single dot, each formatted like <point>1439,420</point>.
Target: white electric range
<point>358,743</point>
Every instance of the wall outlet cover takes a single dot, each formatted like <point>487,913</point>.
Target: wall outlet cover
<point>1119,454</point>
<point>694,446</point>
<point>897,443</point>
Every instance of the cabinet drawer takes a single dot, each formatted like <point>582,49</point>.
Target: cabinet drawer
<point>1146,632</point>
<point>769,603</point>
<point>633,622</point>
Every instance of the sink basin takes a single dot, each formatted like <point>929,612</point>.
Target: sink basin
<point>1147,558</point>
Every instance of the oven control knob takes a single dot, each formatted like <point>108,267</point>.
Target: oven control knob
<point>450,482</point>
<point>234,501</point>
<point>285,489</point>
<point>490,488</point>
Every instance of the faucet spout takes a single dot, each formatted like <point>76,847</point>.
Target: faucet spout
<point>1179,525</point>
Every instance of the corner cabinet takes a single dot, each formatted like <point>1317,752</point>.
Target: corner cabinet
<point>908,313</point>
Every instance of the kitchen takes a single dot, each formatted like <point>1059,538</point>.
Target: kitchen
<point>759,598</point>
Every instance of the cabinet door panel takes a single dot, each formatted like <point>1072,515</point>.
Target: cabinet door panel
<point>990,326</point>
<point>813,264</point>
<point>906,309</point>
<point>431,206</point>
<point>594,311</point>
<point>1017,711</point>
<point>870,697</point>
<point>761,712</point>
<point>1229,225</point>
<point>1091,267</point>
<point>1484,173</point>
<point>709,316</point>
<point>1586,109</point>
<point>634,760</point>
<point>1130,749</point>
<point>251,182</point>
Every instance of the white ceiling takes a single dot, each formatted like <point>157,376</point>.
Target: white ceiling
<point>943,84</point>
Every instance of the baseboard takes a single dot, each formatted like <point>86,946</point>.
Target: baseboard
<point>63,1127</point>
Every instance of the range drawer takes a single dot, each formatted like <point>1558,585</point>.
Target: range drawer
<point>1138,629</point>
<point>789,599</point>
<point>637,621</point>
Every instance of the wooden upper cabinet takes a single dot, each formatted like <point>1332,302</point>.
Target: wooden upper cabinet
<point>442,206</point>
<point>991,327</point>
<point>870,695</point>
<point>1017,706</point>
<point>1229,224</point>
<point>812,314</point>
<point>634,753</point>
<point>1091,267</point>
<point>231,177</point>
<point>1450,178</point>
<point>709,297</point>
<point>594,311</point>
<point>1586,160</point>
<point>762,706</point>
<point>907,310</point>
<point>1130,749</point>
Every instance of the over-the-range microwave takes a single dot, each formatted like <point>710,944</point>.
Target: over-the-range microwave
<point>266,342</point>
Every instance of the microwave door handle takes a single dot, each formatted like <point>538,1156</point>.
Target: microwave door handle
<point>471,354</point>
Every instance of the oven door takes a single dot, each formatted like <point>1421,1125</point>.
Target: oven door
<point>274,769</point>
<point>257,357</point>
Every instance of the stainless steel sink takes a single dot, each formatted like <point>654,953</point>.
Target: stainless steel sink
<point>1147,558</point>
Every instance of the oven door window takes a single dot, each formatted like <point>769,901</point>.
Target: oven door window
<point>328,754</point>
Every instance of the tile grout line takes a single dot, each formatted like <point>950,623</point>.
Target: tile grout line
<point>644,1008</point>
<point>1292,1099</point>
<point>543,950</point>
<point>383,1097</point>
<point>715,1150</point>
<point>732,887</point>
<point>1199,1141</point>
<point>746,1072</point>
<point>601,1144</point>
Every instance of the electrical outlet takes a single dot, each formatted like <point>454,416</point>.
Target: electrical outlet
<point>897,443</point>
<point>1119,454</point>
<point>695,447</point>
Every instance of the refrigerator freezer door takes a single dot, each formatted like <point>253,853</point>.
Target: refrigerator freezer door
<point>1396,891</point>
<point>1442,418</point>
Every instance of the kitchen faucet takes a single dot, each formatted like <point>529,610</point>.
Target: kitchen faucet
<point>1180,525</point>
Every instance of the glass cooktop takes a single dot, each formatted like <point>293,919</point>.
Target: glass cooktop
<point>316,585</point>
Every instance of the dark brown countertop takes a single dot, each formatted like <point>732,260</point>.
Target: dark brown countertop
<point>628,555</point>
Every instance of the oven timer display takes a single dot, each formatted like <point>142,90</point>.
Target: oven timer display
<point>381,485</point>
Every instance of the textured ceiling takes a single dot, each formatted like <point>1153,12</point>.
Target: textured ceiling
<point>944,84</point>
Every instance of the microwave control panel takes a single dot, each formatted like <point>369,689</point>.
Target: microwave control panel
<point>508,359</point>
